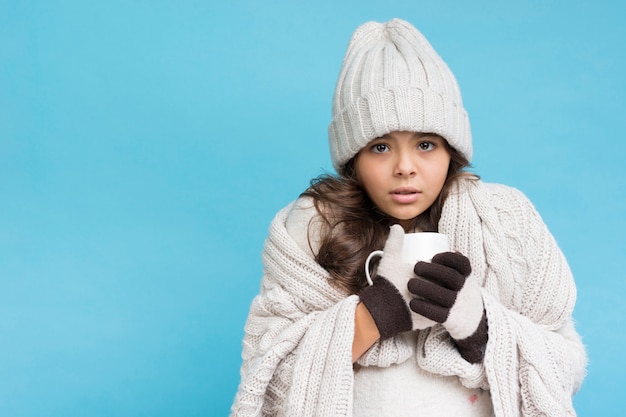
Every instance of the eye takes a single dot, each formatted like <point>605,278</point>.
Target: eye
<point>426,146</point>
<point>379,148</point>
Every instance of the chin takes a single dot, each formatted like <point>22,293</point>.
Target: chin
<point>407,217</point>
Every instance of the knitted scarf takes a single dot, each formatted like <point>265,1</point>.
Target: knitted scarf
<point>297,348</point>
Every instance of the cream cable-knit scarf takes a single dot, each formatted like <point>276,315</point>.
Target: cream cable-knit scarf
<point>298,337</point>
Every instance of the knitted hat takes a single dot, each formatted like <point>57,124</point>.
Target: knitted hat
<point>392,79</point>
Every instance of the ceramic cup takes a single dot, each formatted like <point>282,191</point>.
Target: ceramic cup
<point>417,247</point>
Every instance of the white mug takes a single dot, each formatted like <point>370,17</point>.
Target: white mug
<point>417,247</point>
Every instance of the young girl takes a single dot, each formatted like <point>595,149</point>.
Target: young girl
<point>483,330</point>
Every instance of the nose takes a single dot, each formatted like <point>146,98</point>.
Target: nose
<point>405,166</point>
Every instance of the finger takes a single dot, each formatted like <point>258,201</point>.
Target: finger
<point>432,292</point>
<point>447,277</point>
<point>454,260</point>
<point>429,310</point>
<point>395,240</point>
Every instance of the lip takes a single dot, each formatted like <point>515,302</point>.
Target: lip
<point>405,195</point>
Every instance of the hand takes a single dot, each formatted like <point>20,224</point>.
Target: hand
<point>445,292</point>
<point>388,298</point>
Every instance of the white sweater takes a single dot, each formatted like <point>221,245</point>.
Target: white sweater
<point>297,347</point>
<point>404,389</point>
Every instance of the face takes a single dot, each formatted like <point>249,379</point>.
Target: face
<point>403,172</point>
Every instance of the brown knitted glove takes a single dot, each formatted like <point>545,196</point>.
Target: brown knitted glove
<point>446,293</point>
<point>388,298</point>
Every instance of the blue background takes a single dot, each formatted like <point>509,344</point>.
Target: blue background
<point>145,147</point>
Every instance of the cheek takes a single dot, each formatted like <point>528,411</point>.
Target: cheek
<point>367,175</point>
<point>440,173</point>
<point>369,182</point>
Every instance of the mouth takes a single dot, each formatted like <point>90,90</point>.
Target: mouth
<point>405,195</point>
<point>405,190</point>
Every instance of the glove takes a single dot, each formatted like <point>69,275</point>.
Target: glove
<point>445,292</point>
<point>388,298</point>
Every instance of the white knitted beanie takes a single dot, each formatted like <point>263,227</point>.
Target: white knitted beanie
<point>392,79</point>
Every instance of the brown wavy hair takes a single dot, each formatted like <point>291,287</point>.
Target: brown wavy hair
<point>352,225</point>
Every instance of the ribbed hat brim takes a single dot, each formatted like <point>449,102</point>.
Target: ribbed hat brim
<point>415,109</point>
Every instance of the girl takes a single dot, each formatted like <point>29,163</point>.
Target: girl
<point>483,330</point>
